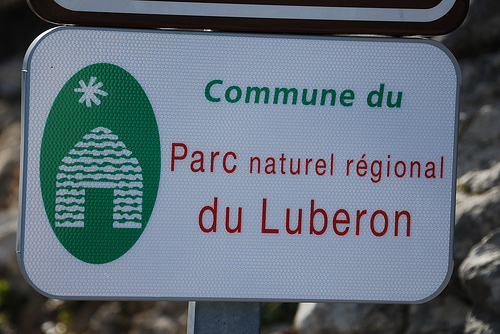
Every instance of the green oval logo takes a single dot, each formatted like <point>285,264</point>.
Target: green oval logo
<point>100,163</point>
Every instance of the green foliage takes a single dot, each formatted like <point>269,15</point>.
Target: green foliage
<point>65,316</point>
<point>6,301</point>
<point>4,292</point>
<point>278,313</point>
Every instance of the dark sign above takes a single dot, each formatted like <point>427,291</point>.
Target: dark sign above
<point>391,17</point>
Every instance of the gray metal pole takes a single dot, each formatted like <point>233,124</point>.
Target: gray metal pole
<point>223,318</point>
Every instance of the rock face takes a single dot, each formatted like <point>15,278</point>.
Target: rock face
<point>475,217</point>
<point>10,139</point>
<point>443,314</point>
<point>480,276</point>
<point>349,318</point>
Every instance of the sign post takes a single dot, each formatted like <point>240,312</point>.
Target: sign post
<point>223,318</point>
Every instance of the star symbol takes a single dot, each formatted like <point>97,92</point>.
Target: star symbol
<point>89,92</point>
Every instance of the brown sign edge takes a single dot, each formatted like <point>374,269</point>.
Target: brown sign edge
<point>50,11</point>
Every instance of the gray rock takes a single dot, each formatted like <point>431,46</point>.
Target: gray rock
<point>484,126</point>
<point>349,318</point>
<point>475,217</point>
<point>10,112</point>
<point>479,131</point>
<point>481,323</point>
<point>480,275</point>
<point>477,214</point>
<point>478,182</point>
<point>479,145</point>
<point>480,81</point>
<point>139,318</point>
<point>443,315</point>
<point>108,319</point>
<point>163,318</point>
<point>10,78</point>
<point>8,228</point>
<point>10,139</point>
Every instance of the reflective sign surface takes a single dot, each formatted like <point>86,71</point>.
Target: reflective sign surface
<point>163,165</point>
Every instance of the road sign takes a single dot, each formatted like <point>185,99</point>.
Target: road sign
<point>204,166</point>
<point>403,17</point>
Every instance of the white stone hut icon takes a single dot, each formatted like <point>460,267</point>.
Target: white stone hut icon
<point>100,160</point>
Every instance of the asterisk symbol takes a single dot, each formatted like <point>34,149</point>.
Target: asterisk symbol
<point>90,91</point>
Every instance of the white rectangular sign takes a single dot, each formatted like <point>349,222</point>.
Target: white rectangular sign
<point>201,166</point>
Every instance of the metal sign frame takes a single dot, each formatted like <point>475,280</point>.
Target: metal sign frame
<point>388,17</point>
<point>52,55</point>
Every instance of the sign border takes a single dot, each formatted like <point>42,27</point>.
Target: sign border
<point>20,242</point>
<point>277,22</point>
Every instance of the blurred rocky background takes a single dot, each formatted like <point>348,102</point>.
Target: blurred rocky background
<point>470,304</point>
